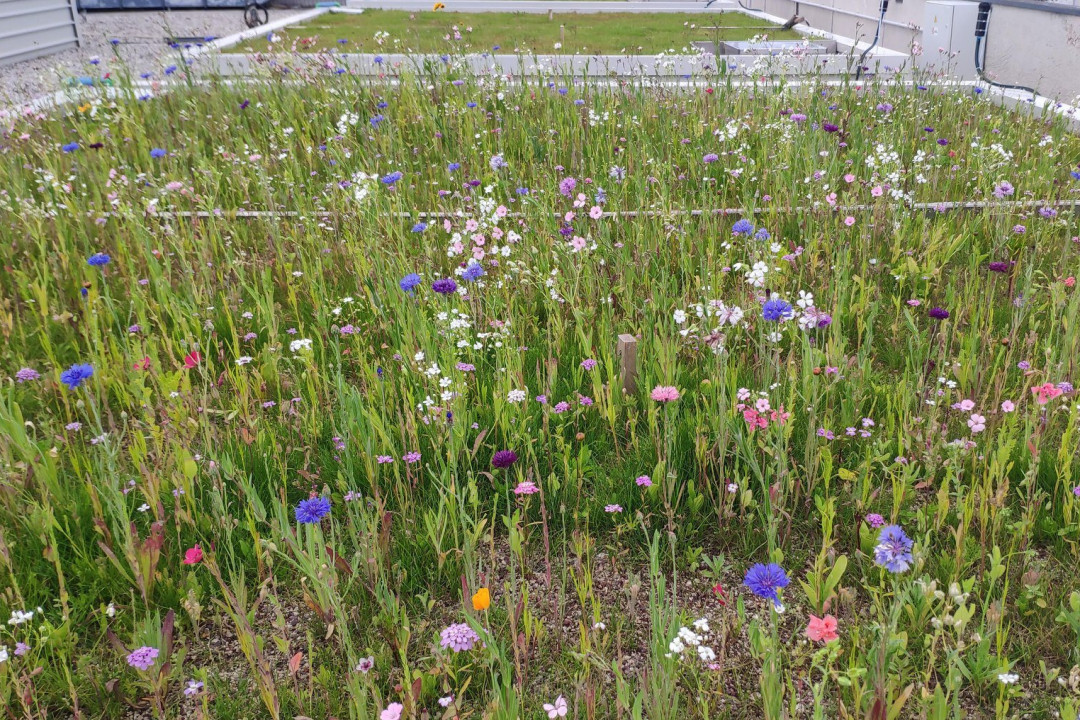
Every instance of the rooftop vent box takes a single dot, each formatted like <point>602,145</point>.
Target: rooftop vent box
<point>775,47</point>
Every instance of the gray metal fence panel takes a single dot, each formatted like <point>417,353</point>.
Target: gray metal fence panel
<point>31,28</point>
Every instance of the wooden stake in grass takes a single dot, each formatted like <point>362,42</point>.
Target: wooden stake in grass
<point>626,349</point>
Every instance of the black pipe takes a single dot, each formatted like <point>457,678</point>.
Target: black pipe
<point>877,35</point>
<point>982,23</point>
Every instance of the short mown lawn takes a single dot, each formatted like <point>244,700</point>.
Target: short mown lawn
<point>568,33</point>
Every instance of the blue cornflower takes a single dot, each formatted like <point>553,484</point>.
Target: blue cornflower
<point>523,191</point>
<point>157,153</point>
<point>776,310</point>
<point>453,166</point>
<point>893,551</point>
<point>742,227</point>
<point>762,234</point>
<point>170,70</point>
<point>76,375</point>
<point>382,104</point>
<point>1075,175</point>
<point>378,60</point>
<point>70,147</point>
<point>376,120</point>
<point>114,42</point>
<point>391,178</point>
<point>409,282</point>
<point>764,580</point>
<point>312,510</point>
<point>473,272</point>
<point>470,105</point>
<point>419,227</point>
<point>98,259</point>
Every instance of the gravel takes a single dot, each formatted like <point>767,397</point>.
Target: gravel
<point>142,46</point>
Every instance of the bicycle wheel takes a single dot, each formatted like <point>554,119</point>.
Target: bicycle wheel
<point>255,15</point>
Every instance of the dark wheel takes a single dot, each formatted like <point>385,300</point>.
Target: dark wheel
<point>255,15</point>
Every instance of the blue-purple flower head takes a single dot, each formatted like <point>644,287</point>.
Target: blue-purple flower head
<point>70,147</point>
<point>742,227</point>
<point>312,510</point>
<point>453,166</point>
<point>710,158</point>
<point>776,310</point>
<point>765,580</point>
<point>98,259</point>
<point>419,227</point>
<point>157,153</point>
<point>497,162</point>
<point>76,375</point>
<point>474,271</point>
<point>409,282</point>
<point>503,459</point>
<point>762,234</point>
<point>391,178</point>
<point>893,551</point>
<point>938,313</point>
<point>444,286</point>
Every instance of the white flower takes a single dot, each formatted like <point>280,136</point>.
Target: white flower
<point>244,359</point>
<point>18,617</point>
<point>706,653</point>
<point>1008,678</point>
<point>676,646</point>
<point>300,344</point>
<point>515,396</point>
<point>702,625</point>
<point>680,317</point>
<point>3,653</point>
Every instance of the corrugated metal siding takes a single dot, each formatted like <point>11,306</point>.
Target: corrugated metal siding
<point>31,28</point>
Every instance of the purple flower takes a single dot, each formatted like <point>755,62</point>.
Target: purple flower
<point>26,375</point>
<point>999,267</point>
<point>566,186</point>
<point>893,551</point>
<point>444,286</point>
<point>561,407</point>
<point>710,158</point>
<point>143,658</point>
<point>411,457</point>
<point>644,481</point>
<point>503,459</point>
<point>588,363</point>
<point>459,637</point>
<point>874,520</point>
<point>938,313</point>
<point>613,508</point>
<point>98,260</point>
<point>765,580</point>
<point>409,282</point>
<point>526,487</point>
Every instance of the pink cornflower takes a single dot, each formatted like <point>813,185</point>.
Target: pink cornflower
<point>665,393</point>
<point>1046,392</point>
<point>822,629</point>
<point>526,487</point>
<point>383,459</point>
<point>644,481</point>
<point>412,457</point>
<point>613,508</point>
<point>588,364</point>
<point>874,520</point>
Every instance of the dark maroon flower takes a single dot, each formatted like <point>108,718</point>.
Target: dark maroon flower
<point>503,459</point>
<point>938,313</point>
<point>999,267</point>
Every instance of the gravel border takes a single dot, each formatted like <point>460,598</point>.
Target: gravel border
<point>142,47</point>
